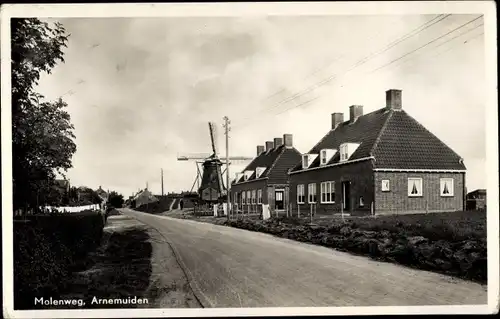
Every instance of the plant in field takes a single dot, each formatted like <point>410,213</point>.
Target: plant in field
<point>42,134</point>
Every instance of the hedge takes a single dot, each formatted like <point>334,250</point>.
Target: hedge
<point>47,248</point>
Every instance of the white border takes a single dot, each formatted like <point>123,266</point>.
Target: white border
<point>254,9</point>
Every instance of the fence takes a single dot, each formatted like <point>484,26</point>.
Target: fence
<point>71,209</point>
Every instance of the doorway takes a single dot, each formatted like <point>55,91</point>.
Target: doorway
<point>279,199</point>
<point>346,195</point>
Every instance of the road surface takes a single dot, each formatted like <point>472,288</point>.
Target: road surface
<point>229,267</point>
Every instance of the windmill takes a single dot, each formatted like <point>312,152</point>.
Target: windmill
<point>209,171</point>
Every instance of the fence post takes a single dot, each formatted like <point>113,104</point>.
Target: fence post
<point>311,213</point>
<point>342,210</point>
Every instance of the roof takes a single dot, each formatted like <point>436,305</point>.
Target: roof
<point>277,162</point>
<point>478,192</point>
<point>395,140</point>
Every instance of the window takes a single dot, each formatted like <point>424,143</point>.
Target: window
<point>323,157</point>
<point>414,187</point>
<point>259,196</point>
<point>243,198</point>
<point>259,171</point>
<point>249,197</point>
<point>312,193</point>
<point>361,201</point>
<point>279,196</point>
<point>328,192</point>
<point>253,197</point>
<point>300,194</point>
<point>305,161</point>
<point>446,187</point>
<point>343,152</point>
<point>385,185</point>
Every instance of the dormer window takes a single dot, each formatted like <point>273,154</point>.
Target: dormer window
<point>305,161</point>
<point>259,171</point>
<point>308,159</point>
<point>323,157</point>
<point>247,175</point>
<point>346,150</point>
<point>326,155</point>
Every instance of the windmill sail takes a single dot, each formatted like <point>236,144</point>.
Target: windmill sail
<point>213,137</point>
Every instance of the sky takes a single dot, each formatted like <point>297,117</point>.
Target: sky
<point>142,90</point>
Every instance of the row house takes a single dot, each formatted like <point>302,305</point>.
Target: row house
<point>384,162</point>
<point>265,181</point>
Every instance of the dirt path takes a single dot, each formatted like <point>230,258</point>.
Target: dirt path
<point>133,261</point>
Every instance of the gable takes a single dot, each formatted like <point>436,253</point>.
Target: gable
<point>406,144</point>
<point>278,174</point>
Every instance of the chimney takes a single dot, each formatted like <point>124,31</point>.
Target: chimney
<point>355,111</point>
<point>393,100</point>
<point>337,119</point>
<point>269,146</point>
<point>260,149</point>
<point>288,140</point>
<point>278,141</point>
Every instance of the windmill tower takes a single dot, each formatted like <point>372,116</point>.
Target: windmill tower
<point>209,171</point>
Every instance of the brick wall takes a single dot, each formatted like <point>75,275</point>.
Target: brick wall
<point>359,174</point>
<point>256,185</point>
<point>396,200</point>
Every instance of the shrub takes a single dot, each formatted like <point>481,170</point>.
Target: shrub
<point>47,248</point>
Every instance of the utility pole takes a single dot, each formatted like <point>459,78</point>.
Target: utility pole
<point>162,193</point>
<point>228,193</point>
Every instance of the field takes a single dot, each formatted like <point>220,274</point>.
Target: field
<point>451,243</point>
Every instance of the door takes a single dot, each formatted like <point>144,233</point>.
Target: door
<point>279,199</point>
<point>346,195</point>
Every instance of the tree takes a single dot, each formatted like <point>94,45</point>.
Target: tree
<point>115,200</point>
<point>42,133</point>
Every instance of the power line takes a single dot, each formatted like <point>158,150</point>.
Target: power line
<point>338,58</point>
<point>449,49</point>
<point>406,36</point>
<point>368,58</point>
<point>406,54</point>
<point>430,42</point>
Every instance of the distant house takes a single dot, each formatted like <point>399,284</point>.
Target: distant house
<point>476,200</point>
<point>384,162</point>
<point>103,195</point>
<point>265,180</point>
<point>144,197</point>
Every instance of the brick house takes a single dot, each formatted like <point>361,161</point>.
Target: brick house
<point>476,200</point>
<point>265,180</point>
<point>384,162</point>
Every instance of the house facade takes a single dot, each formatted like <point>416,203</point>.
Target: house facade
<point>476,200</point>
<point>265,181</point>
<point>384,162</point>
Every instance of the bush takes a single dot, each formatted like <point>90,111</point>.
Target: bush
<point>48,248</point>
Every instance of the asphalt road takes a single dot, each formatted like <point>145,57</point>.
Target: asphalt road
<point>236,268</point>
